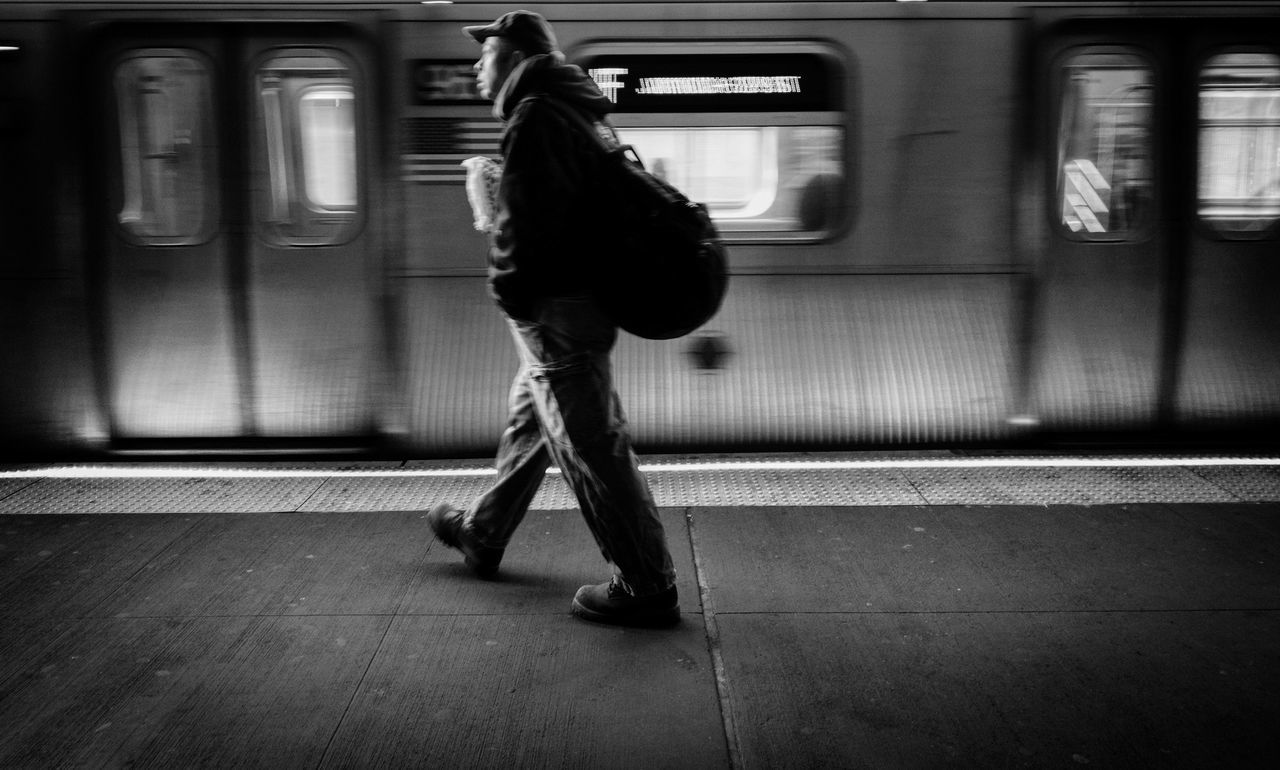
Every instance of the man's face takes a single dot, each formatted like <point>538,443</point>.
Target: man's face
<point>497,59</point>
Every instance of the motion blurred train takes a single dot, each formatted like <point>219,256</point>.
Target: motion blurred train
<point>242,226</point>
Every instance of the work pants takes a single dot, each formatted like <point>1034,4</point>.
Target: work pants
<point>563,409</point>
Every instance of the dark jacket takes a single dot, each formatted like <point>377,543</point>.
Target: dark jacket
<point>546,232</point>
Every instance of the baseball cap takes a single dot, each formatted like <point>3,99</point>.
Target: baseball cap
<point>527,30</point>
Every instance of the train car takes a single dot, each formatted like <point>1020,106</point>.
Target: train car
<point>242,226</point>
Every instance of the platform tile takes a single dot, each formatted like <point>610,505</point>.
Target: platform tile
<point>1022,690</point>
<point>164,693</point>
<point>24,638</point>
<point>534,691</point>
<point>999,558</point>
<point>67,566</point>
<point>280,563</point>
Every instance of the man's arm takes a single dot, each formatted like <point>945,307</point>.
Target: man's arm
<point>535,204</point>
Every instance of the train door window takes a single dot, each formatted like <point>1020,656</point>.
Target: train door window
<point>1239,171</point>
<point>308,149</point>
<point>755,133</point>
<point>328,148</point>
<point>1104,146</point>
<point>168,189</point>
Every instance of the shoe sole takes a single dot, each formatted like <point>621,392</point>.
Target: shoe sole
<point>664,618</point>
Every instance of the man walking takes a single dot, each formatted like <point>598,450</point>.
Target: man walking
<point>562,406</point>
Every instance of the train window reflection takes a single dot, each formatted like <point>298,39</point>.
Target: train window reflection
<point>1104,146</point>
<point>1239,172</point>
<point>752,179</point>
<point>307,148</point>
<point>166,148</point>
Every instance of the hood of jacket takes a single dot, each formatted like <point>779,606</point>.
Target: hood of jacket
<point>549,74</point>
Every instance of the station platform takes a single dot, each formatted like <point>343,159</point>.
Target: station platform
<point>888,610</point>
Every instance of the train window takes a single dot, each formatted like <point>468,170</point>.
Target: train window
<point>1104,146</point>
<point>167,186</point>
<point>754,132</point>
<point>753,178</point>
<point>328,148</point>
<point>308,149</point>
<point>1239,173</point>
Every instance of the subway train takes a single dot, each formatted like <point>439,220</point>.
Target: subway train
<point>242,226</point>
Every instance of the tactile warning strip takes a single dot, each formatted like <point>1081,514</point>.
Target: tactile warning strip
<point>729,484</point>
<point>198,495</point>
<point>418,493</point>
<point>12,486</point>
<point>734,487</point>
<point>1254,485</point>
<point>1065,486</point>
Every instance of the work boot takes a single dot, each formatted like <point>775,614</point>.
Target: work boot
<point>612,603</point>
<point>449,526</point>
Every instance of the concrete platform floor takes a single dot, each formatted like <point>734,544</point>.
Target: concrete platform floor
<point>1116,635</point>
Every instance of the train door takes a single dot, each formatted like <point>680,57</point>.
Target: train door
<point>236,253</point>
<point>1158,141</point>
<point>1229,357</point>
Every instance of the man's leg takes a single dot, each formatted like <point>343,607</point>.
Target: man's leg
<point>586,432</point>
<point>483,531</point>
<point>522,462</point>
<point>595,455</point>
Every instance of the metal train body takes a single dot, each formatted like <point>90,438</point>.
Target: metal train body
<point>244,226</point>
